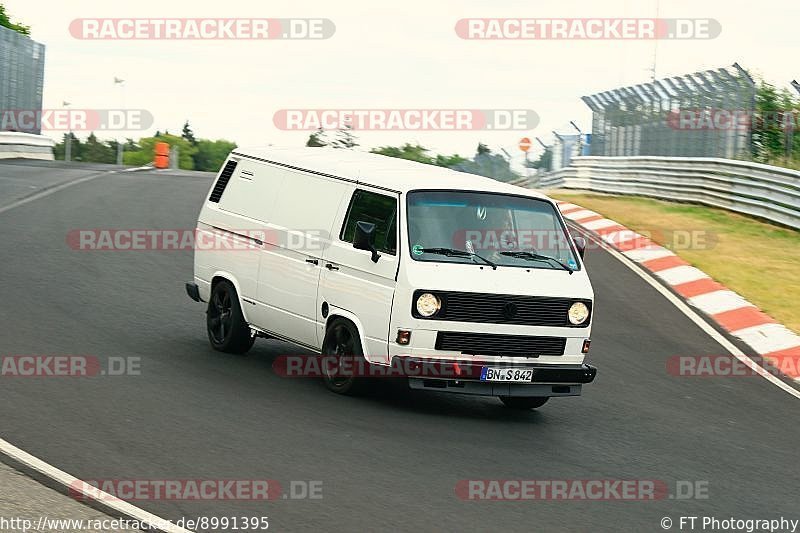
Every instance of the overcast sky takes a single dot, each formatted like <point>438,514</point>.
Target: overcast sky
<point>388,55</point>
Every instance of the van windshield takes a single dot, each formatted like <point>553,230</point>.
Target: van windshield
<point>471,227</point>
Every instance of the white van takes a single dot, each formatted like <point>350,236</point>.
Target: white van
<point>467,284</point>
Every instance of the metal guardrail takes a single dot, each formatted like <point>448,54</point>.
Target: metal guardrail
<point>764,191</point>
<point>25,145</point>
<point>548,180</point>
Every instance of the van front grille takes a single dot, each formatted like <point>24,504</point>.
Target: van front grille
<point>504,309</point>
<point>505,345</point>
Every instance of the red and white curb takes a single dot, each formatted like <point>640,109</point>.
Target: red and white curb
<point>775,342</point>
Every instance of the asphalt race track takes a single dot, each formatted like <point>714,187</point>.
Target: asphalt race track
<point>388,460</point>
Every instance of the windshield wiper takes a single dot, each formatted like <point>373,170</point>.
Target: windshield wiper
<point>452,252</point>
<point>538,257</point>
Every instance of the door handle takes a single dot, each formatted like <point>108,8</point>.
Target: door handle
<point>312,261</point>
<point>330,266</point>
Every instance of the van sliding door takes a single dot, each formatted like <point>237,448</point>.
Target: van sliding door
<point>298,230</point>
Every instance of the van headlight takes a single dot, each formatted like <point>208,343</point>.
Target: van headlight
<point>428,304</point>
<point>578,313</point>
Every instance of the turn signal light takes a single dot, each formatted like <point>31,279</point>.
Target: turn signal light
<point>403,336</point>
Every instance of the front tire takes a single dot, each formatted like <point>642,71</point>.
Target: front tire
<point>227,330</point>
<point>523,402</point>
<point>341,343</point>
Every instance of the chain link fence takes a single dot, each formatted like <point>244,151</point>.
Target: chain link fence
<point>679,116</point>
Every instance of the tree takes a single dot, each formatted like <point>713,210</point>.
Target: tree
<point>317,139</point>
<point>211,154</point>
<point>767,134</point>
<point>146,153</point>
<point>187,134</point>
<point>6,22</point>
<point>418,153</point>
<point>60,149</point>
<point>206,155</point>
<point>774,126</point>
<point>407,151</point>
<point>544,161</point>
<point>486,163</point>
<point>96,152</point>
<point>344,138</point>
<point>791,124</point>
<point>449,161</point>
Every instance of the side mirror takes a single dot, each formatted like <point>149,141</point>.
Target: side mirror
<point>365,239</point>
<point>580,244</point>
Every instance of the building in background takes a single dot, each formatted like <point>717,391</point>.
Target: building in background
<point>21,77</point>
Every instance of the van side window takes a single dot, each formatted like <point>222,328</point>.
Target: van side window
<point>377,209</point>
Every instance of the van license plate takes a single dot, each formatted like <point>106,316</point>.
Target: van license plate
<point>515,375</point>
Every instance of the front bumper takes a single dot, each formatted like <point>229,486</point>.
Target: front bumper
<point>193,291</point>
<point>464,378</point>
<point>424,344</point>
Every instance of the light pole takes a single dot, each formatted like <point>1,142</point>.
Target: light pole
<point>790,123</point>
<point>654,70</point>
<point>557,163</point>
<point>544,156</point>
<point>580,138</point>
<point>68,140</point>
<point>121,83</point>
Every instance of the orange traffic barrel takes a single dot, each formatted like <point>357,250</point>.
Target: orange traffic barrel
<point>161,159</point>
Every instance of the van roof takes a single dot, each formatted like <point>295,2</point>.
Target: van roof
<point>377,170</point>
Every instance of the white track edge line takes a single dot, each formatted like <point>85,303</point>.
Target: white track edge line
<point>87,491</point>
<point>52,190</point>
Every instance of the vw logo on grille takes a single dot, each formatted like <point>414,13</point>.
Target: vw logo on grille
<point>510,310</point>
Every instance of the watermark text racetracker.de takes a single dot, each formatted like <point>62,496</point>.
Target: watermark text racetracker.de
<point>580,490</point>
<point>406,119</point>
<point>317,366</point>
<point>195,489</point>
<point>716,119</point>
<point>44,365</point>
<point>208,239</point>
<point>587,28</point>
<point>491,239</point>
<point>728,366</point>
<point>32,120</point>
<point>204,29</point>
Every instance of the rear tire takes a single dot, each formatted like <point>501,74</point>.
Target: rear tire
<point>227,330</point>
<point>342,341</point>
<point>523,402</point>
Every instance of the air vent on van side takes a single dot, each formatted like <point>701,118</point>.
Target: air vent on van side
<point>222,182</point>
